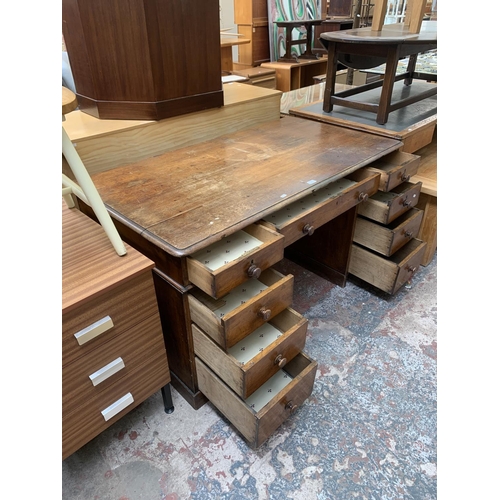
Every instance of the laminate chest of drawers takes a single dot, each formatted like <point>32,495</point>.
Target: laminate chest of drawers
<point>215,218</point>
<point>113,353</point>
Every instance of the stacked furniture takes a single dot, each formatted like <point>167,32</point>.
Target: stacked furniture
<point>113,353</point>
<point>386,252</point>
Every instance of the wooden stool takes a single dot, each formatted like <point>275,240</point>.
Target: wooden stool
<point>289,26</point>
<point>84,188</point>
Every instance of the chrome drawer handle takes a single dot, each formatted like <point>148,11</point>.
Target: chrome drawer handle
<point>290,406</point>
<point>362,197</point>
<point>94,330</point>
<point>280,361</point>
<point>254,271</point>
<point>106,371</point>
<point>117,406</point>
<point>264,313</point>
<point>308,229</point>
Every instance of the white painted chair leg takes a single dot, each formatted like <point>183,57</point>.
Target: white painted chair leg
<point>93,197</point>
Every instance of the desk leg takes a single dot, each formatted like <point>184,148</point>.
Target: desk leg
<point>166,394</point>
<point>328,250</point>
<point>331,74</point>
<point>388,85</point>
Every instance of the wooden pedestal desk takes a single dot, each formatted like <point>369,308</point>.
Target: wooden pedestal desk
<point>113,353</point>
<point>215,217</point>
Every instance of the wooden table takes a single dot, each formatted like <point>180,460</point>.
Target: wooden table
<point>226,51</point>
<point>363,48</point>
<point>173,205</point>
<point>308,41</point>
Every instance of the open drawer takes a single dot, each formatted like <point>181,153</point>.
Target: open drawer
<point>220,267</point>
<point>385,207</point>
<point>302,217</point>
<point>249,305</point>
<point>386,240</point>
<point>395,168</point>
<point>266,409</point>
<point>387,274</point>
<point>250,362</point>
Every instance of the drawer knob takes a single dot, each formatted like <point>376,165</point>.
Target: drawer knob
<point>280,361</point>
<point>308,229</point>
<point>408,234</point>
<point>411,269</point>
<point>254,271</point>
<point>264,313</point>
<point>405,202</point>
<point>405,177</point>
<point>362,197</point>
<point>290,406</point>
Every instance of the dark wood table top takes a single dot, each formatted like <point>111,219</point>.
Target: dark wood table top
<point>390,34</point>
<point>188,198</point>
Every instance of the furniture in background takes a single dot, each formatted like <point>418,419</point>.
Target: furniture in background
<point>113,353</point>
<point>262,77</point>
<point>84,188</point>
<point>365,48</point>
<point>125,65</point>
<point>226,51</point>
<point>251,19</point>
<point>297,74</point>
<point>289,26</point>
<point>332,24</point>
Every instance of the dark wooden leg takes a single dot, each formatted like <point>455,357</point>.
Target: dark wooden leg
<point>410,69</point>
<point>288,48</point>
<point>388,85</point>
<point>331,74</point>
<point>166,394</point>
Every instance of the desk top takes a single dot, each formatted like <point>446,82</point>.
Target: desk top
<point>391,33</point>
<point>234,40</point>
<point>188,198</point>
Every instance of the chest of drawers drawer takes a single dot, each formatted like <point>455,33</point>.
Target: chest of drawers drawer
<point>254,359</point>
<point>91,374</point>
<point>229,262</point>
<point>94,323</point>
<point>265,410</point>
<point>384,207</point>
<point>302,217</point>
<point>386,240</point>
<point>395,168</point>
<point>244,309</point>
<point>387,273</point>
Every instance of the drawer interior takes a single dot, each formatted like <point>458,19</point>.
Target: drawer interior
<point>267,391</point>
<point>229,249</point>
<point>297,208</point>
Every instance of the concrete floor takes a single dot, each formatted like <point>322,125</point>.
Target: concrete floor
<point>368,431</point>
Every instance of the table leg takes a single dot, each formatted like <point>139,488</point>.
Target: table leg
<point>331,74</point>
<point>412,63</point>
<point>388,85</point>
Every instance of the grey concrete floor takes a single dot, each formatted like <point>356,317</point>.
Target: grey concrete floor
<point>367,432</point>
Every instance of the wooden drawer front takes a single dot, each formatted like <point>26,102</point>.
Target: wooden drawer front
<point>107,316</point>
<point>220,267</point>
<point>87,421</point>
<point>302,217</point>
<point>387,274</point>
<point>229,319</point>
<point>258,423</point>
<point>388,239</point>
<point>395,168</point>
<point>385,207</point>
<point>112,361</point>
<point>249,363</point>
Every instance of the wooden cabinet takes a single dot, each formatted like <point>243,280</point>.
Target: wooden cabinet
<point>385,250</point>
<point>113,353</point>
<point>142,59</point>
<point>251,18</point>
<point>295,75</point>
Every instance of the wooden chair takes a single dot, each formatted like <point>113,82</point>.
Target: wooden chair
<point>84,188</point>
<point>413,19</point>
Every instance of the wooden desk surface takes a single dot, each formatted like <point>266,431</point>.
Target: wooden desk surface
<point>188,198</point>
<point>234,40</point>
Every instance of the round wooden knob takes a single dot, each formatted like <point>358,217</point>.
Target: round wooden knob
<point>408,234</point>
<point>290,406</point>
<point>308,229</point>
<point>280,361</point>
<point>254,271</point>
<point>405,177</point>
<point>264,313</point>
<point>362,197</point>
<point>406,203</point>
<point>411,269</point>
